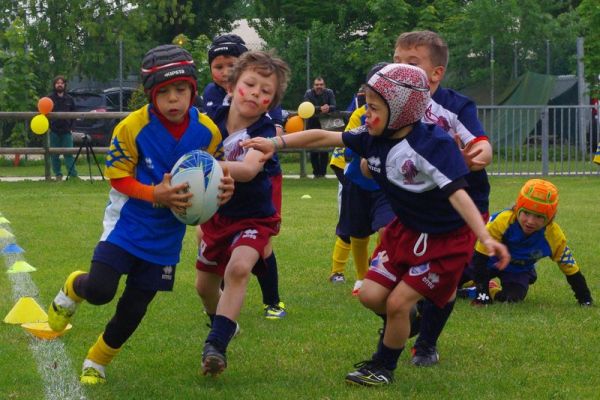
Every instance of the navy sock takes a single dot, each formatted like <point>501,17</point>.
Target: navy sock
<point>433,321</point>
<point>269,281</point>
<point>222,332</point>
<point>387,356</point>
<point>212,318</point>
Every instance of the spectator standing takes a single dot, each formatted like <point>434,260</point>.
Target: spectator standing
<point>60,129</point>
<point>323,99</point>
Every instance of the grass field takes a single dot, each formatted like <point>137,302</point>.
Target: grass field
<point>544,348</point>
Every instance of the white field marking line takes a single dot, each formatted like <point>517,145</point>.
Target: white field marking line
<point>53,364</point>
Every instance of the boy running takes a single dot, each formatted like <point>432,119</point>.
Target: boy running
<point>424,250</point>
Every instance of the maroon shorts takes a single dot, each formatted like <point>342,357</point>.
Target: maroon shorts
<point>432,264</point>
<point>222,235</point>
<point>276,184</point>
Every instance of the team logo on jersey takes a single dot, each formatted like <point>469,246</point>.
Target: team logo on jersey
<point>149,163</point>
<point>249,233</point>
<point>439,120</point>
<point>378,265</point>
<point>409,172</point>
<point>431,280</point>
<point>167,273</point>
<point>374,164</point>
<point>418,269</point>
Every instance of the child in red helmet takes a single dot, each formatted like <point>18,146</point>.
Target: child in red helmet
<point>142,238</point>
<point>529,231</point>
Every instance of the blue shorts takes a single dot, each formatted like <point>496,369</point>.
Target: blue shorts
<point>141,274</point>
<point>362,212</point>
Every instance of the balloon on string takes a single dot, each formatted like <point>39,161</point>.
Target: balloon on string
<point>306,109</point>
<point>294,124</point>
<point>45,105</point>
<point>39,124</point>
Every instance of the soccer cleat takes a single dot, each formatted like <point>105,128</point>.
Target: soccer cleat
<point>92,373</point>
<point>276,311</point>
<point>213,361</point>
<point>424,356</point>
<point>357,286</point>
<point>370,373</point>
<point>338,277</point>
<point>64,304</point>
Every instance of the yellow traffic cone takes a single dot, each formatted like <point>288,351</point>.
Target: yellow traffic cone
<point>20,266</point>
<point>26,310</point>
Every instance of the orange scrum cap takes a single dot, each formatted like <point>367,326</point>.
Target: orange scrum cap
<point>539,197</point>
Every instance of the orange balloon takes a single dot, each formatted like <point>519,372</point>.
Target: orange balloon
<point>294,124</point>
<point>45,105</point>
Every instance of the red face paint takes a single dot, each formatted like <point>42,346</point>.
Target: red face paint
<point>266,101</point>
<point>375,121</point>
<point>241,92</point>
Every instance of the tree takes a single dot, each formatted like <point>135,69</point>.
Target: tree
<point>17,82</point>
<point>589,10</point>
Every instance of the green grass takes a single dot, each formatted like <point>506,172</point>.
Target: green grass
<point>544,348</point>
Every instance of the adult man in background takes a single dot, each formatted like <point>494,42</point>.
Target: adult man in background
<point>60,129</point>
<point>324,101</point>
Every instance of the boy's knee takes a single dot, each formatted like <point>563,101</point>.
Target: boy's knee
<point>98,295</point>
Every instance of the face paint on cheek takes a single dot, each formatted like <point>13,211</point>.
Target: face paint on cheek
<point>375,122</point>
<point>266,101</point>
<point>241,92</point>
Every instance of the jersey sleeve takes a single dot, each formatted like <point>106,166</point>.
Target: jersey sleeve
<point>561,253</point>
<point>122,156</point>
<point>496,228</point>
<point>215,146</point>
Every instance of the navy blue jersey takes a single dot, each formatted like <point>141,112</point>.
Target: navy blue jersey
<point>251,199</point>
<point>417,173</point>
<point>455,113</point>
<point>215,97</point>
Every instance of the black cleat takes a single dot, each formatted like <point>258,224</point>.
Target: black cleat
<point>213,361</point>
<point>425,357</point>
<point>370,373</point>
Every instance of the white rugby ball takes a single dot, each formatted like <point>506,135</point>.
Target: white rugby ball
<point>202,172</point>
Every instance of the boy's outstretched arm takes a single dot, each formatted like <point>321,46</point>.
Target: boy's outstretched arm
<point>246,170</point>
<point>463,204</point>
<point>311,138</point>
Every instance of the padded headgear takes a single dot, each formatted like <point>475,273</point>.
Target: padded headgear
<point>405,90</point>
<point>539,197</point>
<point>167,63</point>
<point>226,45</point>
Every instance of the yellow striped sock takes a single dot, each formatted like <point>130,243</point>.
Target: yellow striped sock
<point>341,253</point>
<point>360,253</point>
<point>102,353</point>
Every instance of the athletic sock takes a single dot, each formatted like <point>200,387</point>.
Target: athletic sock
<point>101,353</point>
<point>360,253</point>
<point>387,356</point>
<point>433,321</point>
<point>222,332</point>
<point>269,281</point>
<point>73,281</point>
<point>341,254</point>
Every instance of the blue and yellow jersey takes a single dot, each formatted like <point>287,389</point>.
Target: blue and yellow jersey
<point>597,155</point>
<point>347,160</point>
<point>525,251</point>
<point>338,158</point>
<point>141,147</point>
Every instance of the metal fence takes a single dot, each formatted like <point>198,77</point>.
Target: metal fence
<point>542,140</point>
<point>527,140</point>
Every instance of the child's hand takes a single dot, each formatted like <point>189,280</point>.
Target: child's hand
<point>499,250</point>
<point>468,154</point>
<point>173,197</point>
<point>226,187</point>
<point>264,145</point>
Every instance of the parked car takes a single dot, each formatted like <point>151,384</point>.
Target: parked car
<point>99,131</point>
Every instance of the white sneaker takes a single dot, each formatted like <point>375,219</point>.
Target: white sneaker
<point>357,286</point>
